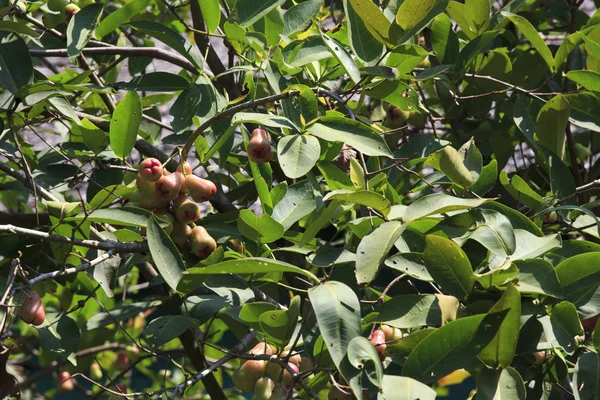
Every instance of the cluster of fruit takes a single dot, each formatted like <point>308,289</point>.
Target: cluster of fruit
<point>59,11</point>
<point>159,190</point>
<point>397,117</point>
<point>250,377</point>
<point>381,337</point>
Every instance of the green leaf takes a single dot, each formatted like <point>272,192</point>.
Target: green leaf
<point>81,28</point>
<point>273,121</point>
<point>164,254</point>
<point>450,162</point>
<point>125,216</point>
<point>342,56</point>
<point>449,266</point>
<point>444,40</point>
<point>302,52</point>
<point>538,276</point>
<point>59,334</point>
<point>477,13</point>
<point>500,384</point>
<point>579,276</point>
<point>374,248</point>
<point>17,27</point>
<point>551,123</point>
<point>363,356</point>
<point>120,16</point>
<point>211,13</point>
<point>16,67</point>
<point>298,154</point>
<point>451,347</point>
<point>125,124</point>
<point>324,216</point>
<point>354,133</point>
<point>250,11</point>
<point>520,190</point>
<point>300,16</point>
<point>362,197</point>
<point>411,389</point>
<point>254,228</point>
<point>298,202</point>
<point>439,203</point>
<point>533,36</point>
<point>171,39</point>
<point>364,45</point>
<point>414,15</point>
<point>118,314</point>
<point>375,21</point>
<point>562,326</point>
<point>194,277</point>
<point>410,311</point>
<point>411,264</point>
<point>501,350</point>
<point>251,312</point>
<point>583,110</point>
<point>279,325</point>
<point>586,377</point>
<point>155,82</point>
<point>163,329</point>
<point>303,108</point>
<point>588,79</point>
<point>337,311</point>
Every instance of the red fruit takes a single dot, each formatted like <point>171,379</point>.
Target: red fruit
<point>245,378</point>
<point>151,170</point>
<point>377,338</point>
<point>200,189</point>
<point>274,371</point>
<point>201,243</point>
<point>262,348</point>
<point>589,324</point>
<point>169,186</point>
<point>259,147</point>
<point>32,309</point>
<point>64,382</point>
<point>186,211</point>
<point>122,361</point>
<point>70,10</point>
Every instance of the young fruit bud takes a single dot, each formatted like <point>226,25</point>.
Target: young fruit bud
<point>263,348</point>
<point>169,186</point>
<point>186,211</point>
<point>263,389</point>
<point>122,361</point>
<point>64,382</point>
<point>70,10</point>
<point>180,233</point>
<point>32,309</point>
<point>95,371</point>
<point>245,378</point>
<point>201,243</point>
<point>551,218</point>
<point>151,170</point>
<point>377,338</point>
<point>259,147</point>
<point>200,189</point>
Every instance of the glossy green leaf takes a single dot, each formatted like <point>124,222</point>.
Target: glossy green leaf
<point>262,188</point>
<point>299,201</point>
<point>354,133</point>
<point>250,11</point>
<point>81,28</point>
<point>163,329</point>
<point>538,276</point>
<point>562,326</point>
<point>500,384</point>
<point>520,190</point>
<point>364,45</point>
<point>125,124</point>
<point>414,15</point>
<point>533,36</point>
<point>439,203</point>
<point>343,57</point>
<point>300,16</point>
<point>17,27</point>
<point>477,13</point>
<point>211,13</point>
<point>579,276</point>
<point>451,163</point>
<point>164,254</point>
<point>586,377</point>
<point>551,123</point>
<point>363,356</point>
<point>125,216</point>
<point>298,154</point>
<point>411,389</point>
<point>362,197</point>
<point>118,314</point>
<point>16,67</point>
<point>410,311</point>
<point>449,266</point>
<point>272,121</point>
<point>501,350</point>
<point>337,311</point>
<point>588,79</point>
<point>59,334</point>
<point>119,17</point>
<point>375,21</point>
<point>451,347</point>
<point>279,325</point>
<point>263,228</point>
<point>374,248</point>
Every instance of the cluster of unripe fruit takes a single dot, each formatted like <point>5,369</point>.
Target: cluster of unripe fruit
<point>381,337</point>
<point>259,376</point>
<point>31,310</point>
<point>62,11</point>
<point>159,190</point>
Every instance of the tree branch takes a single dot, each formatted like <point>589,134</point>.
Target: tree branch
<point>116,247</point>
<point>153,52</point>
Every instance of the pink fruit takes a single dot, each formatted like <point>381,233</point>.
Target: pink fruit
<point>199,189</point>
<point>169,186</point>
<point>151,170</point>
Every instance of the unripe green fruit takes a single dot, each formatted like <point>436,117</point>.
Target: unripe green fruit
<point>186,211</point>
<point>259,147</point>
<point>263,389</point>
<point>417,120</point>
<point>169,186</point>
<point>396,117</point>
<point>70,10</point>
<point>245,378</point>
<point>201,243</point>
<point>426,63</point>
<point>199,189</point>
<point>391,334</point>
<point>64,382</point>
<point>180,233</point>
<point>57,5</point>
<point>151,169</point>
<point>31,310</point>
<point>551,218</point>
<point>52,20</point>
<point>95,371</point>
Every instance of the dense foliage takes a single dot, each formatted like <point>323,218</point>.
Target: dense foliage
<point>381,199</point>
